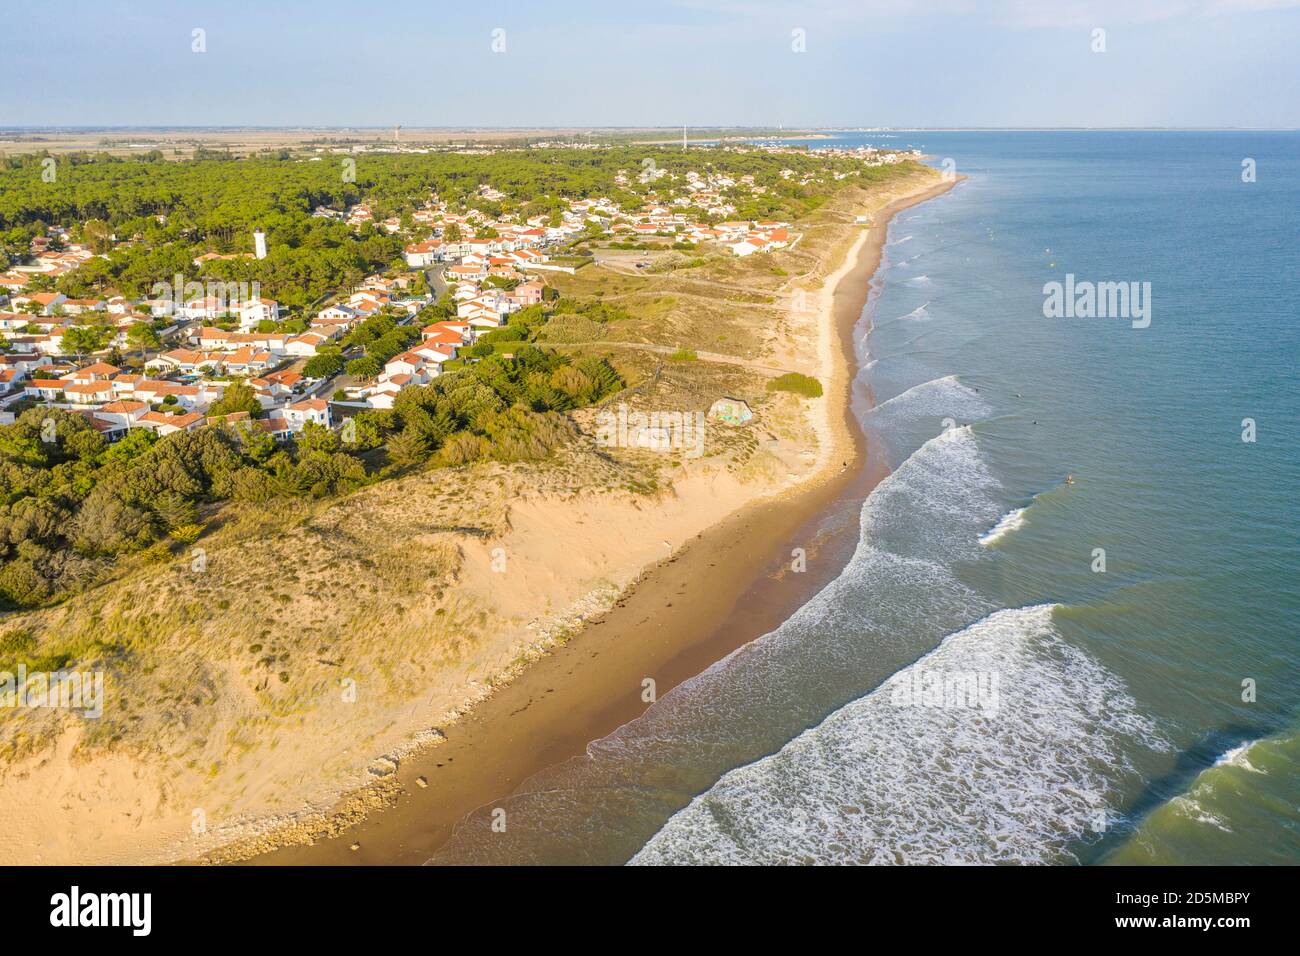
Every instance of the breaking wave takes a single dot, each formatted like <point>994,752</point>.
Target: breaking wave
<point>902,423</point>
<point>1248,792</point>
<point>891,779</point>
<point>1008,523</point>
<point>920,312</point>
<point>1238,756</point>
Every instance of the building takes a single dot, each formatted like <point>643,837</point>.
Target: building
<point>315,410</point>
<point>255,311</point>
<point>733,411</point>
<point>421,255</point>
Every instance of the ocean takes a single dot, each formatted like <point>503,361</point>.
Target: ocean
<point>1068,633</point>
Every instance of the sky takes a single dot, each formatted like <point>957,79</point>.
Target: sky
<point>820,63</point>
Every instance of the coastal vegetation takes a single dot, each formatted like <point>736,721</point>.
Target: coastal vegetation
<point>796,383</point>
<point>70,502</point>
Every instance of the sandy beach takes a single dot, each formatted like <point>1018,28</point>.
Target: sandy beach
<point>730,584</point>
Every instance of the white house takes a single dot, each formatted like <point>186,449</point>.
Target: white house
<point>306,344</point>
<point>338,313</point>
<point>434,351</point>
<point>47,302</point>
<point>315,410</point>
<point>124,412</point>
<point>748,246</point>
<point>255,311</point>
<point>206,308</point>
<point>169,424</point>
<point>420,255</point>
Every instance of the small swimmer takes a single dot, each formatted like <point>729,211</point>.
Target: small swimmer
<point>1069,479</point>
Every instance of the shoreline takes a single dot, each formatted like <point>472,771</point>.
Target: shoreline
<point>665,625</point>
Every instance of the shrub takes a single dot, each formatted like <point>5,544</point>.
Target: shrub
<point>511,333</point>
<point>797,383</point>
<point>15,647</point>
<point>463,448</point>
<point>187,533</point>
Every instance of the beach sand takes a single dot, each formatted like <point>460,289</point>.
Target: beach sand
<point>727,586</point>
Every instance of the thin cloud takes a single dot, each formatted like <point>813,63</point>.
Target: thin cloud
<point>1090,13</point>
<point>1023,14</point>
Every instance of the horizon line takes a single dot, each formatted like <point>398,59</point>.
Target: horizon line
<point>163,127</point>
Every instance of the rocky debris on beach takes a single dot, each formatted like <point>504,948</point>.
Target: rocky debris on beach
<point>383,767</point>
<point>310,827</point>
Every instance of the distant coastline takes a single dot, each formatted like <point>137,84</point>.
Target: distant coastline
<point>241,140</point>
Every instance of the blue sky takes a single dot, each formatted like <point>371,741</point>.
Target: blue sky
<point>653,62</point>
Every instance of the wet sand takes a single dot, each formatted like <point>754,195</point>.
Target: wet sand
<point>730,585</point>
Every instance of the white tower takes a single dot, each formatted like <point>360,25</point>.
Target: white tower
<point>259,243</point>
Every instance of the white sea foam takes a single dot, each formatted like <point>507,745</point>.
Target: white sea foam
<point>917,280</point>
<point>938,395</point>
<point>920,312</point>
<point>881,781</point>
<point>1008,523</point>
<point>1237,757</point>
<point>1189,807</point>
<point>907,420</point>
<point>909,260</point>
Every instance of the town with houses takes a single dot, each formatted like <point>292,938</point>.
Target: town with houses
<point>223,333</point>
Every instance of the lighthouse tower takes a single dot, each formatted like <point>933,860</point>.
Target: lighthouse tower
<point>259,243</point>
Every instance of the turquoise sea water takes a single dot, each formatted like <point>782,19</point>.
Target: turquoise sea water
<point>1146,712</point>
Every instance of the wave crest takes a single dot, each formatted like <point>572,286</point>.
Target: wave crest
<point>885,782</point>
